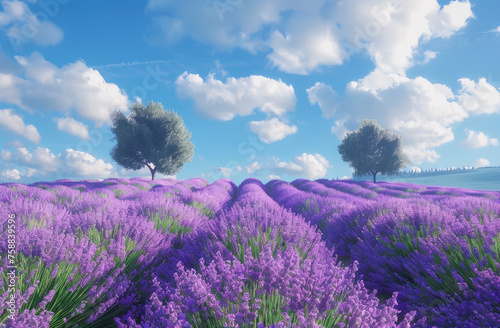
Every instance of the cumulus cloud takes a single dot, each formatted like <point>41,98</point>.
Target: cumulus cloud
<point>478,140</point>
<point>253,167</point>
<point>272,130</point>
<point>14,143</point>
<point>420,111</point>
<point>495,30</point>
<point>339,129</point>
<point>223,101</point>
<point>225,171</point>
<point>451,18</point>
<point>391,31</point>
<point>74,86</point>
<point>41,158</point>
<point>11,174</point>
<point>302,50</point>
<point>481,162</point>
<point>42,161</point>
<point>325,97</point>
<point>479,97</point>
<point>14,123</point>
<point>5,155</point>
<point>84,164</point>
<point>273,177</point>
<point>308,166</point>
<point>29,172</point>
<point>23,26</point>
<point>428,56</point>
<point>300,37</point>
<point>73,127</point>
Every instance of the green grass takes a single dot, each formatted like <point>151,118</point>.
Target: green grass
<point>168,223</point>
<point>271,305</point>
<point>206,211</point>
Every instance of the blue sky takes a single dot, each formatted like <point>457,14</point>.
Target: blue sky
<point>267,88</point>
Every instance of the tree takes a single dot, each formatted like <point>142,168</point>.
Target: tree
<point>372,150</point>
<point>152,137</point>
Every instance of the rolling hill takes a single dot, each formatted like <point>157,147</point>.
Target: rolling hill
<point>487,178</point>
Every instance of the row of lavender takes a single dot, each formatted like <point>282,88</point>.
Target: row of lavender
<point>439,248</point>
<point>168,253</point>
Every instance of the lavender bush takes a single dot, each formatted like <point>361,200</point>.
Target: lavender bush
<point>325,253</point>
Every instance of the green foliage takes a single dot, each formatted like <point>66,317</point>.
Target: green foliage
<point>307,206</point>
<point>459,259</point>
<point>140,186</point>
<point>168,223</point>
<point>67,299</point>
<point>372,150</point>
<point>206,211</point>
<point>151,137</point>
<point>271,307</point>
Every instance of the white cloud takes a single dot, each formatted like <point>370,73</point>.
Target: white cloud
<point>41,158</point>
<point>11,174</point>
<point>223,101</point>
<point>73,127</point>
<point>479,97</point>
<point>478,140</point>
<point>325,97</point>
<point>6,155</point>
<point>253,167</point>
<point>225,171</point>
<point>339,129</point>
<point>272,130</point>
<point>428,56</point>
<point>24,26</point>
<point>451,18</point>
<point>74,86</point>
<point>482,162</point>
<point>421,112</point>
<point>391,31</point>
<point>84,164</point>
<point>29,172</point>
<point>300,37</point>
<point>273,177</point>
<point>302,50</point>
<point>495,30</point>
<point>306,165</point>
<point>14,123</point>
<point>42,161</point>
<point>420,136</point>
<point>14,143</point>
<point>345,177</point>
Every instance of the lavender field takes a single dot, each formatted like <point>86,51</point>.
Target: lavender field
<point>324,253</point>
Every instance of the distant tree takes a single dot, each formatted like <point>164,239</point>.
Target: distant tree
<point>372,150</point>
<point>152,137</point>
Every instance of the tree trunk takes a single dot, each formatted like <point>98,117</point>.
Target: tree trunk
<point>153,171</point>
<point>374,177</point>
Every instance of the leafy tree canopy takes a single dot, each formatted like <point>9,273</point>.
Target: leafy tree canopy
<point>152,137</point>
<point>372,150</point>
